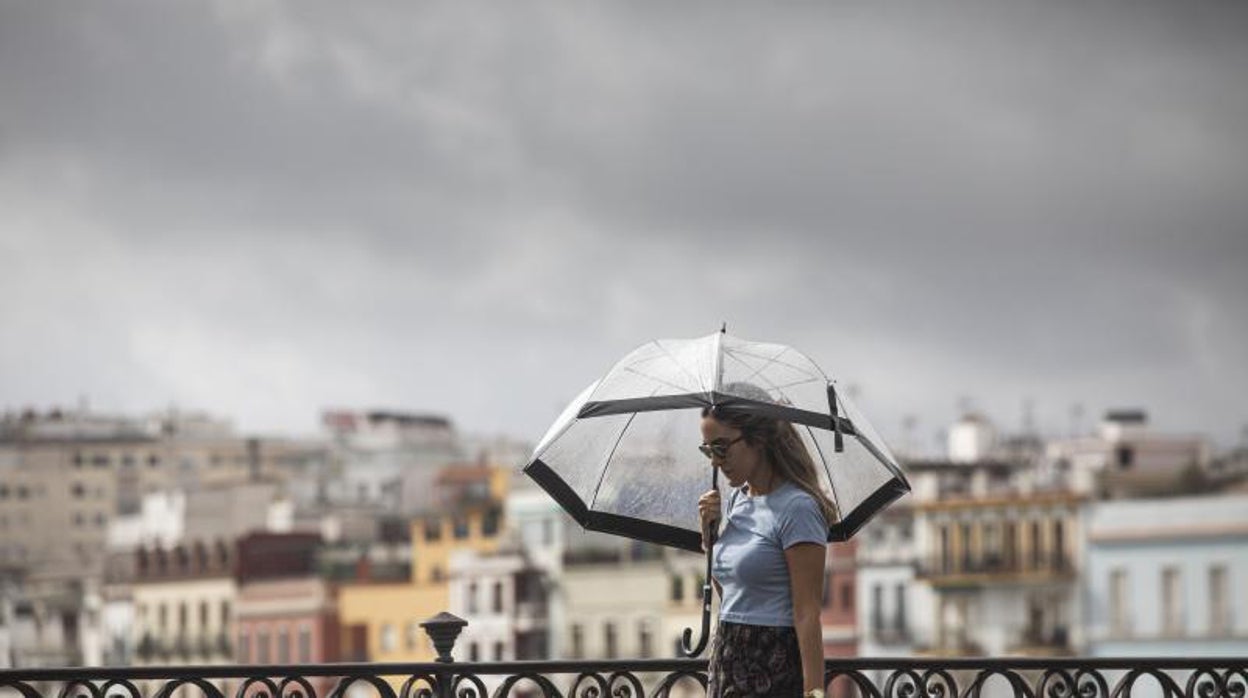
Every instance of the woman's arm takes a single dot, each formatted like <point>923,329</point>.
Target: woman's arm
<point>805,561</point>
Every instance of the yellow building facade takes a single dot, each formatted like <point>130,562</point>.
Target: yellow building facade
<point>386,617</point>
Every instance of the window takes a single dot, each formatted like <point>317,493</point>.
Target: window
<point>460,527</point>
<point>1219,610</point>
<point>489,525</point>
<point>498,651</point>
<point>203,616</point>
<point>1171,602</point>
<point>153,461</point>
<point>497,604</point>
<point>1011,545</point>
<point>100,460</point>
<point>77,459</point>
<point>244,647</point>
<point>847,596</point>
<point>225,614</point>
<point>162,617</point>
<point>305,644</point>
<point>1037,555</point>
<point>182,614</point>
<point>645,638</point>
<point>944,549</point>
<point>413,634</point>
<point>578,641</point>
<point>433,531</point>
<point>678,588</point>
<point>1059,544</point>
<point>77,490</point>
<point>992,545</point>
<point>1119,608</point>
<point>966,546</point>
<point>877,607</point>
<point>609,640</point>
<point>474,652</point>
<point>472,598</point>
<point>388,639</point>
<point>899,617</point>
<point>262,647</point>
<point>1125,456</point>
<point>127,461</point>
<point>283,646</point>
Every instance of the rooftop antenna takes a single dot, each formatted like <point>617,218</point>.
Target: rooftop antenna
<point>908,424</point>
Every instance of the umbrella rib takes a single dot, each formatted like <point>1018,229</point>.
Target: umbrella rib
<point>823,459</point>
<point>775,359</point>
<point>629,369</point>
<point>607,464</point>
<point>769,382</point>
<point>676,362</point>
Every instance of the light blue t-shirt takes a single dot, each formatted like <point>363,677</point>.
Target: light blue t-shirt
<point>748,561</point>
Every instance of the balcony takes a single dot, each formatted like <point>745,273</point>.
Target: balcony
<point>993,570</point>
<point>1035,642</point>
<point>1178,677</point>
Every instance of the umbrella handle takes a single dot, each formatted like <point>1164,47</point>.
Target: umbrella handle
<point>686,640</point>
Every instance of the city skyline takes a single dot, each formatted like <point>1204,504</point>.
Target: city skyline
<point>271,210</point>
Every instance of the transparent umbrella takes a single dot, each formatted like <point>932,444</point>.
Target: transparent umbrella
<point>622,457</point>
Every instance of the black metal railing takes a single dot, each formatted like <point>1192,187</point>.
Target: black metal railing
<point>445,678</point>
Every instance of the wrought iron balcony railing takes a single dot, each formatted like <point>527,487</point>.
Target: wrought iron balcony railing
<point>930,677</point>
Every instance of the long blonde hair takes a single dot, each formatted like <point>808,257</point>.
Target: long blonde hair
<point>780,445</point>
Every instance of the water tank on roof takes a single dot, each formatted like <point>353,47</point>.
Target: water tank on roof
<point>971,438</point>
<point>1120,424</point>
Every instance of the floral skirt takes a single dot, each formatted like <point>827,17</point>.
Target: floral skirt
<point>754,660</point>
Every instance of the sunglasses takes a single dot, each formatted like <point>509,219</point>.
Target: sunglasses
<point>718,449</point>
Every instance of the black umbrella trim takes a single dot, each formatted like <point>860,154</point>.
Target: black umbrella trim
<point>887,493</point>
<point>674,537</point>
<point>819,420</point>
<point>638,529</point>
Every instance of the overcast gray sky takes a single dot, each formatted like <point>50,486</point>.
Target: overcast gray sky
<point>263,209</point>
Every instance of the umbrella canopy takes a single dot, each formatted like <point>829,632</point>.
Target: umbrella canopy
<point>622,458</point>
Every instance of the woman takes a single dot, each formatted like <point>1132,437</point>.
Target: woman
<point>768,560</point>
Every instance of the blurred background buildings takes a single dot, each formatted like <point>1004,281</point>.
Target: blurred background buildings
<point>173,539</point>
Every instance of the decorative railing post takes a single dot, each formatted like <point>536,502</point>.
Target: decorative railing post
<point>444,629</point>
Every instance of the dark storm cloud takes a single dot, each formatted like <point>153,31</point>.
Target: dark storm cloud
<point>267,208</point>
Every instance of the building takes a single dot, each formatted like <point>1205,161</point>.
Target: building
<point>618,610</point>
<point>893,609</point>
<point>65,476</point>
<point>381,619</point>
<point>1126,458</point>
<point>285,612</point>
<point>503,596</point>
<point>1167,577</point>
<point>839,616</point>
<point>996,544</point>
<point>388,458</point>
<point>184,601</point>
